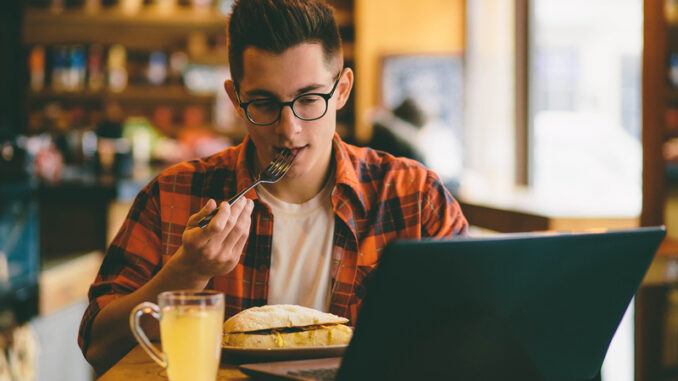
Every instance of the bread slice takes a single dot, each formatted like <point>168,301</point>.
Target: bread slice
<point>336,334</point>
<point>285,326</point>
<point>279,316</point>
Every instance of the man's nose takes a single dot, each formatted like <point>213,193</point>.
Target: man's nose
<point>289,124</point>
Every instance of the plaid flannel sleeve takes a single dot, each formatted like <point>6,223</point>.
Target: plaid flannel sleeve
<point>131,260</point>
<point>441,213</point>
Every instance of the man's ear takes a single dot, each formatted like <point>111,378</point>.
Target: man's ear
<point>344,87</point>
<point>229,86</point>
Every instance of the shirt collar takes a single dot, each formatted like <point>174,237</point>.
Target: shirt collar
<point>345,170</point>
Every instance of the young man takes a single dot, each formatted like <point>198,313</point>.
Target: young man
<point>311,238</point>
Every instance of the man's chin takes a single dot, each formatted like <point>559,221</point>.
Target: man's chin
<point>295,172</point>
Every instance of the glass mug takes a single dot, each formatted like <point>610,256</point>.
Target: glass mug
<point>190,333</point>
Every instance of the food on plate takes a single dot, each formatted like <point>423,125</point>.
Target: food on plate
<point>285,326</point>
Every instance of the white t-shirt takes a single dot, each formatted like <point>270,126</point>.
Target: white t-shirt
<point>302,250</point>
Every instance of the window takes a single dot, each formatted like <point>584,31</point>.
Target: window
<point>577,83</point>
<point>490,93</point>
<point>579,62</point>
<point>584,104</point>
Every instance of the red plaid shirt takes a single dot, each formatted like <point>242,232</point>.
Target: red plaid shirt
<point>377,198</point>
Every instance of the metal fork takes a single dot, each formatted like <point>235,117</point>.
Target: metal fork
<point>275,171</point>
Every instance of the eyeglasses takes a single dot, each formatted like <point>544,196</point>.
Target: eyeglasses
<point>309,106</point>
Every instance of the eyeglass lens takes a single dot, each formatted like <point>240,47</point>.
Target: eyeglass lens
<point>307,107</point>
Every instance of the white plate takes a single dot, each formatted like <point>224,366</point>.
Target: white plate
<point>293,353</point>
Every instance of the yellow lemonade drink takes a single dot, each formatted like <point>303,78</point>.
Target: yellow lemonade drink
<point>191,340</point>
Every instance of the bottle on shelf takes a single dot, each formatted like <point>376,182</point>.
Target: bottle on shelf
<point>36,67</point>
<point>673,69</point>
<point>177,64</point>
<point>59,68</point>
<point>157,68</point>
<point>202,5</point>
<point>117,68</point>
<point>92,6</point>
<point>75,77</point>
<point>671,11</point>
<point>95,67</point>
<point>166,6</point>
<point>130,7</point>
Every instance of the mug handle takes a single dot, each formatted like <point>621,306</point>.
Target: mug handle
<point>137,312</point>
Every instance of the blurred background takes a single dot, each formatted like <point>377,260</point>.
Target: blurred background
<point>537,114</point>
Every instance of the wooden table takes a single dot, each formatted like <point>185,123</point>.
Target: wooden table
<point>136,365</point>
<point>522,210</point>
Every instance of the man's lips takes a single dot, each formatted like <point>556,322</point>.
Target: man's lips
<point>295,150</point>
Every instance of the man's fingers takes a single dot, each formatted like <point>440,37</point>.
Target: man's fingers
<point>224,221</point>
<point>240,245</point>
<point>198,238</point>
<point>209,206</point>
<point>240,228</point>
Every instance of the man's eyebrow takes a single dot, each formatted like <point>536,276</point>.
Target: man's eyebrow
<point>310,88</point>
<point>267,94</point>
<point>259,93</point>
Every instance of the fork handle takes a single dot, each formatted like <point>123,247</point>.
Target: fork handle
<point>206,220</point>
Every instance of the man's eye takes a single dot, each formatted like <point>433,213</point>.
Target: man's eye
<point>310,99</point>
<point>264,104</point>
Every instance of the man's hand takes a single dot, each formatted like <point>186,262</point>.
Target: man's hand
<point>216,248</point>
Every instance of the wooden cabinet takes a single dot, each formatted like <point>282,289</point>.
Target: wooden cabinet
<point>344,16</point>
<point>660,122</point>
<point>147,29</point>
<point>196,37</point>
<point>141,33</point>
<point>656,325</point>
<point>656,93</point>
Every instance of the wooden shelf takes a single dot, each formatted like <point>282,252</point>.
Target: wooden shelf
<point>137,94</point>
<point>660,39</point>
<point>668,248</point>
<point>147,29</point>
<point>213,58</point>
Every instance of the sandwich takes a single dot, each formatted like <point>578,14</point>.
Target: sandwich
<point>285,326</point>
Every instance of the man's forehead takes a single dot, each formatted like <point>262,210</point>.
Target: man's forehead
<point>296,65</point>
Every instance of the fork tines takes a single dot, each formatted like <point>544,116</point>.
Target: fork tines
<point>281,164</point>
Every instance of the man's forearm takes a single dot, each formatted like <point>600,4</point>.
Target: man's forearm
<point>205,253</point>
<point>111,338</point>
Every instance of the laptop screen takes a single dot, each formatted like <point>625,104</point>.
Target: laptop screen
<point>532,306</point>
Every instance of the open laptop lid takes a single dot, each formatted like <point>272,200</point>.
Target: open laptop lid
<point>516,306</point>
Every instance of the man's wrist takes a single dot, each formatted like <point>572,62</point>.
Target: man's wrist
<point>178,268</point>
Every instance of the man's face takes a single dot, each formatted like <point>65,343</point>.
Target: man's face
<point>299,70</point>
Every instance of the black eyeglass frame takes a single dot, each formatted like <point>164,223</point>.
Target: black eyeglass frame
<point>325,96</point>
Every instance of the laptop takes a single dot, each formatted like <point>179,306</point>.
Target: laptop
<point>528,306</point>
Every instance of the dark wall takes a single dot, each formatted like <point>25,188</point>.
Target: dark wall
<point>11,70</point>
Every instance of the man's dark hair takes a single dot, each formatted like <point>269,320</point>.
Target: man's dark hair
<point>276,25</point>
